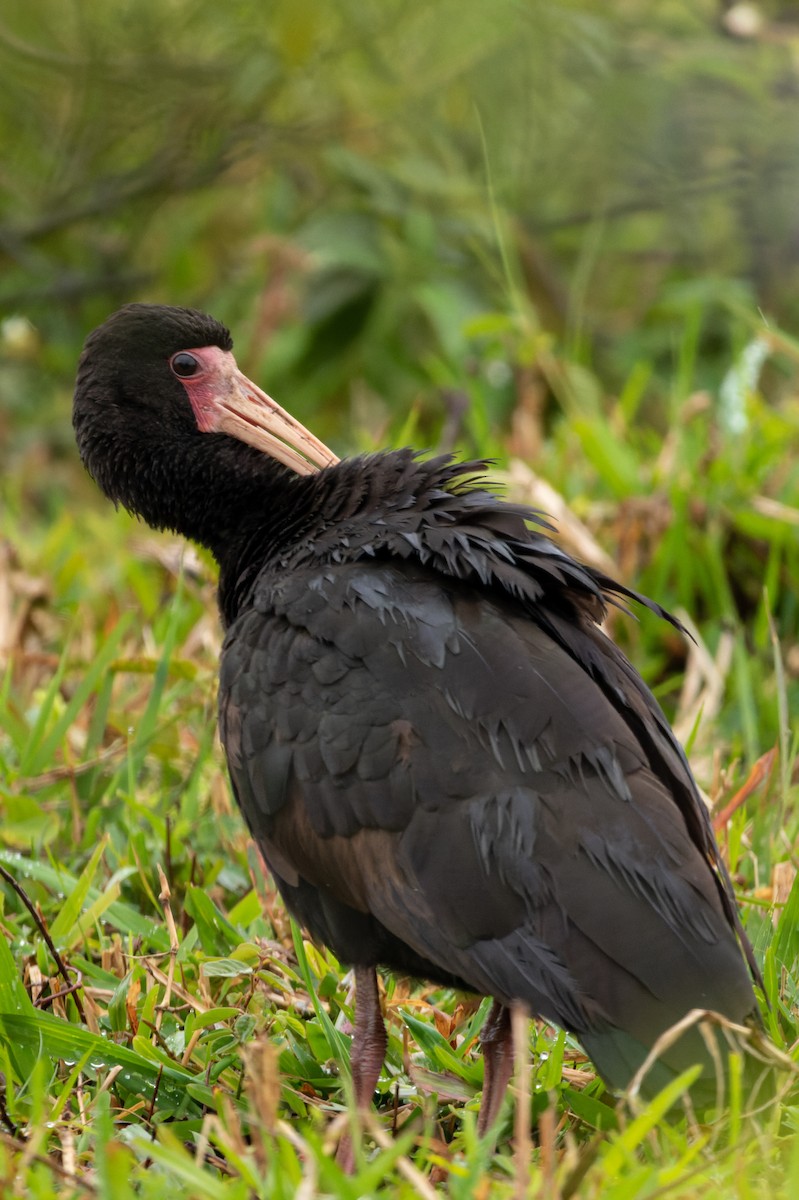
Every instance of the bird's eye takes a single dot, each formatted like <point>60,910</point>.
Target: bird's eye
<point>184,365</point>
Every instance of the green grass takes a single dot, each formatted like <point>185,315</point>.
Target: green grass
<point>203,1052</point>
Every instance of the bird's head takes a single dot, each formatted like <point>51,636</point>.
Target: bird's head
<point>170,373</point>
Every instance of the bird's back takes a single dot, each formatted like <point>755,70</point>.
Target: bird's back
<point>453,772</point>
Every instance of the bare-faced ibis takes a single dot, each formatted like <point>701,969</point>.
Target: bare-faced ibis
<point>449,768</point>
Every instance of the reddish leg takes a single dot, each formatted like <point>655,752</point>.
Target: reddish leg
<point>497,1042</point>
<point>368,1050</point>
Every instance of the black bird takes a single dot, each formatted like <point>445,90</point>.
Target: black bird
<point>448,767</point>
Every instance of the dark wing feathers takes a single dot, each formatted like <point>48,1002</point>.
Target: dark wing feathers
<point>441,512</point>
<point>446,786</point>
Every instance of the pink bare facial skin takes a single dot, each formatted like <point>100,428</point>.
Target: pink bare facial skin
<point>224,400</point>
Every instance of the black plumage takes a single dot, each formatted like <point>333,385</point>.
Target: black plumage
<point>449,768</point>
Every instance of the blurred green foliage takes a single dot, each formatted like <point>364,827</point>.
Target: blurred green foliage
<point>347,184</point>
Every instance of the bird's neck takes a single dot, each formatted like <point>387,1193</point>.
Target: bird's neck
<point>214,490</point>
<point>246,509</point>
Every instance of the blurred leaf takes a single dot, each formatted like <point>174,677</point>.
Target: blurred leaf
<point>217,935</point>
<point>75,899</point>
<point>14,1000</point>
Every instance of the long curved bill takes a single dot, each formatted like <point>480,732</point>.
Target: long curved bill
<point>247,413</point>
